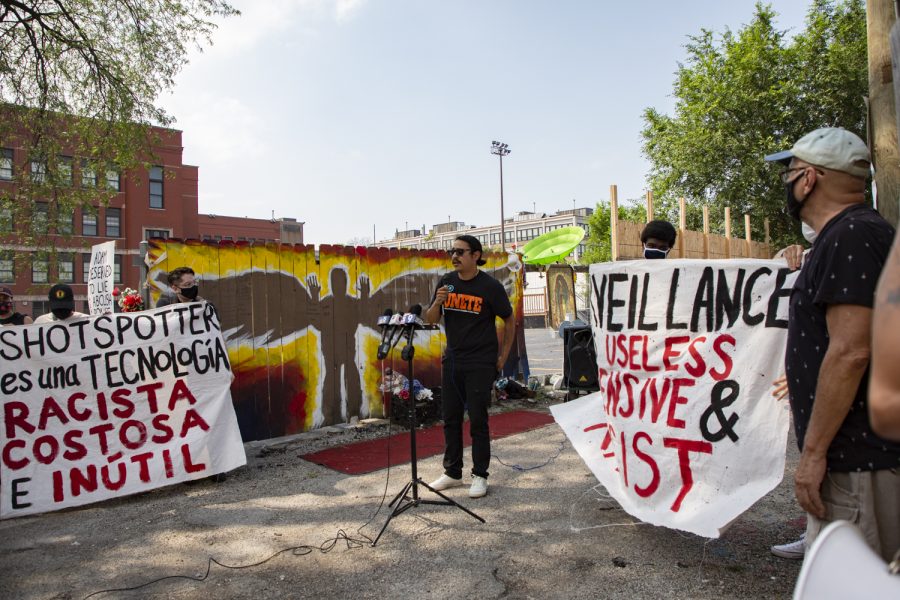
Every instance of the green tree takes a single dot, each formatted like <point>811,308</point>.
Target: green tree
<point>742,95</point>
<point>79,85</point>
<point>598,247</point>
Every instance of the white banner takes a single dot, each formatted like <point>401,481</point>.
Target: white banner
<point>110,406</point>
<point>101,279</point>
<point>684,432</point>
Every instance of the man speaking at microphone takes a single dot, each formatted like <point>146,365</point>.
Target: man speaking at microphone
<point>469,300</point>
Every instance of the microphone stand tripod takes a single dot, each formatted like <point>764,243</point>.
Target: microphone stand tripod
<point>408,497</point>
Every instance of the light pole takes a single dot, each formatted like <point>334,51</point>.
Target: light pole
<point>501,150</point>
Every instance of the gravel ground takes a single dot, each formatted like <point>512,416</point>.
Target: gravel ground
<point>550,533</point>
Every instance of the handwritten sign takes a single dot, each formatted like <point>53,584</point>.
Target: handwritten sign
<point>684,432</point>
<point>101,278</point>
<point>105,407</point>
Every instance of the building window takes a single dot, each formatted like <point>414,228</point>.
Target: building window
<point>39,307</point>
<point>113,180</point>
<point>39,270</point>
<point>85,266</point>
<point>156,187</point>
<point>38,171</point>
<point>7,265</point>
<point>157,233</point>
<point>88,222</point>
<point>114,222</point>
<point>65,264</point>
<point>6,163</point>
<point>117,268</point>
<point>64,170</point>
<point>6,220</point>
<point>65,221</point>
<point>39,217</point>
<point>88,175</point>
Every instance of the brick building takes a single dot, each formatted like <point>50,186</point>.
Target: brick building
<point>160,201</point>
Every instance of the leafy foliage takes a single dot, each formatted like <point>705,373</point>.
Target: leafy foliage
<point>742,95</point>
<point>79,82</point>
<point>598,247</point>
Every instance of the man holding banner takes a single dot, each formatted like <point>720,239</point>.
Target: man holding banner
<point>62,305</point>
<point>846,471</point>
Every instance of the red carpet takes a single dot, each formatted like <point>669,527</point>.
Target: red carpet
<point>365,457</point>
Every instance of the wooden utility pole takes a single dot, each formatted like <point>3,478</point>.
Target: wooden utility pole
<point>880,17</point>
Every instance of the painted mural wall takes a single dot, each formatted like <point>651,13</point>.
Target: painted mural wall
<point>301,332</point>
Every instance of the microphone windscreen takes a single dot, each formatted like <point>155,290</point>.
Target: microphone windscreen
<point>445,282</point>
<point>416,309</point>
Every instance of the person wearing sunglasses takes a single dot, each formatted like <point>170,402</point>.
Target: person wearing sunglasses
<point>469,300</point>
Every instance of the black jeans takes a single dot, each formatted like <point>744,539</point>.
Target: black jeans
<point>466,388</point>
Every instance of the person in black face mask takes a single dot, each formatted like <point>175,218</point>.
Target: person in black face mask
<point>845,470</point>
<point>658,238</point>
<point>182,287</point>
<point>8,316</point>
<point>62,305</point>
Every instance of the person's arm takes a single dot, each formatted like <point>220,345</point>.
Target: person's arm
<point>28,320</point>
<point>433,314</point>
<point>884,381</point>
<point>509,336</point>
<point>842,369</point>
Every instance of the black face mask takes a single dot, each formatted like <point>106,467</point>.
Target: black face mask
<point>62,313</point>
<point>191,292</point>
<point>794,206</point>
<point>5,307</point>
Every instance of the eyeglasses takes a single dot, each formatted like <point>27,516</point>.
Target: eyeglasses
<point>457,251</point>
<point>786,175</point>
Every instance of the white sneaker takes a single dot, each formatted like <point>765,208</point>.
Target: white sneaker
<point>479,487</point>
<point>793,550</point>
<point>445,482</point>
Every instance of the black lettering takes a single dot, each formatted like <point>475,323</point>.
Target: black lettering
<point>748,296</point>
<point>703,299</point>
<point>726,303</point>
<point>641,324</point>
<point>611,303</point>
<point>670,309</point>
<point>17,493</point>
<point>778,293</point>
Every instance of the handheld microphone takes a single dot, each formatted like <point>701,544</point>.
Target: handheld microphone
<point>384,322</point>
<point>396,332</point>
<point>411,320</point>
<point>445,282</point>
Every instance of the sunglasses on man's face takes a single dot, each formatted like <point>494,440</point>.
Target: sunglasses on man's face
<point>457,251</point>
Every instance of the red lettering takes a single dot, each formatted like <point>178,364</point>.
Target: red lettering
<point>57,486</point>
<point>628,379</point>
<point>51,409</point>
<point>15,414</point>
<point>624,459</point>
<point>80,481</point>
<point>45,458</point>
<point>101,406</point>
<point>684,462</point>
<point>144,471</point>
<point>726,359</point>
<point>100,431</point>
<point>645,492</point>
<point>632,352</point>
<point>670,353</point>
<point>192,419</point>
<point>675,399</point>
<point>76,450</point>
<point>699,368</point>
<point>623,353</point>
<point>167,463</point>
<point>180,392</point>
<point>142,434</point>
<point>658,400</point>
<point>78,415</point>
<point>645,358</point>
<point>189,466</point>
<point>120,398</point>
<point>610,349</point>
<point>109,483</point>
<point>8,460</point>
<point>159,423</point>
<point>150,390</point>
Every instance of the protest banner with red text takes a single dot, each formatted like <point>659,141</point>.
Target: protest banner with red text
<point>109,406</point>
<point>684,431</point>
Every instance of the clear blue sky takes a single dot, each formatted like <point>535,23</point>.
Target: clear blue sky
<point>349,114</point>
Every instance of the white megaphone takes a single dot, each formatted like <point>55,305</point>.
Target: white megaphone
<point>514,263</point>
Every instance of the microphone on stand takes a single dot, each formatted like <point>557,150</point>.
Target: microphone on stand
<point>411,320</point>
<point>445,282</point>
<point>384,323</point>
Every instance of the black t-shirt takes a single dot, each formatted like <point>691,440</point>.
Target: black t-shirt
<point>469,314</point>
<point>13,319</point>
<point>842,268</point>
